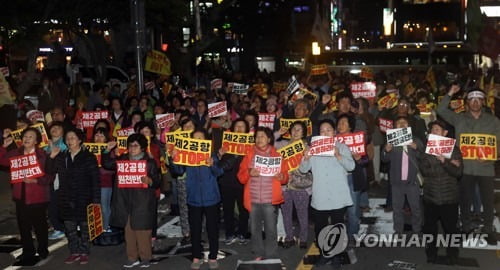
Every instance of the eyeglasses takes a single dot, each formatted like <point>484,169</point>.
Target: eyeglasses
<point>403,104</point>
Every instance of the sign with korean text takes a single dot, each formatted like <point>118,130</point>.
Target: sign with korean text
<point>478,146</point>
<point>89,118</point>
<point>399,136</point>
<point>424,109</point>
<point>364,89</point>
<point>355,141</point>
<point>25,166</point>
<point>292,155</point>
<point>366,73</point>
<point>216,84</point>
<point>385,124</point>
<point>192,152</point>
<point>319,69</point>
<point>322,146</point>
<point>121,143</point>
<point>96,149</point>
<point>267,120</point>
<point>240,88</point>
<point>125,132</point>
<point>158,63</point>
<point>16,136</point>
<point>45,137</point>
<point>170,137</point>
<point>286,123</point>
<point>35,116</point>
<point>162,120</point>
<point>130,172</point>
<point>260,89</point>
<point>439,146</point>
<point>237,143</point>
<point>457,105</point>
<point>388,101</point>
<point>267,166</point>
<point>217,109</point>
<point>293,85</point>
<point>94,220</point>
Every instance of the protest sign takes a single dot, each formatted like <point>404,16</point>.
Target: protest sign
<point>45,137</point>
<point>300,94</point>
<point>89,118</point>
<point>425,109</point>
<point>267,120</point>
<point>217,109</point>
<point>96,149</point>
<point>170,137</point>
<point>130,172</point>
<point>319,69</point>
<point>457,105</point>
<point>125,132</point>
<point>322,146</point>
<point>267,166</point>
<point>399,136</point>
<point>286,123</point>
<point>24,167</point>
<point>385,124</point>
<point>5,71</point>
<point>292,155</point>
<point>439,146</point>
<point>260,89</point>
<point>94,220</point>
<point>279,86</point>
<point>478,146</point>
<point>366,73</point>
<point>121,143</point>
<point>16,136</point>
<point>388,101</point>
<point>355,141</point>
<point>293,85</point>
<point>192,152</point>
<point>364,89</point>
<point>35,116</point>
<point>216,84</point>
<point>157,62</point>
<point>237,143</point>
<point>162,120</point>
<point>241,89</point>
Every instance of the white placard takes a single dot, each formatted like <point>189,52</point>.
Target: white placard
<point>267,166</point>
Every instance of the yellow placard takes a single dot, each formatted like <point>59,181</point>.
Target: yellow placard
<point>237,143</point>
<point>94,220</point>
<point>121,142</point>
<point>319,69</point>
<point>157,62</point>
<point>96,149</point>
<point>388,101</point>
<point>286,123</point>
<point>45,137</point>
<point>478,146</point>
<point>192,152</point>
<point>170,137</point>
<point>292,155</point>
<point>16,136</point>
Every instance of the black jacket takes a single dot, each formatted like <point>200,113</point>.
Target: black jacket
<point>230,164</point>
<point>441,179</point>
<point>137,203</point>
<point>79,183</point>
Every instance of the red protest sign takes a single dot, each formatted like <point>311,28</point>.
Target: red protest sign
<point>355,141</point>
<point>130,172</point>
<point>216,84</point>
<point>35,116</point>
<point>385,124</point>
<point>267,120</point>
<point>217,109</point>
<point>162,120</point>
<point>364,89</point>
<point>25,166</point>
<point>89,118</point>
<point>125,132</point>
<point>94,220</point>
<point>322,146</point>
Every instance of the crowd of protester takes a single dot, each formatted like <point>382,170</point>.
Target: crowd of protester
<point>324,189</point>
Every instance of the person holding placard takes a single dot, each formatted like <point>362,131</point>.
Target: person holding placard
<point>403,179</point>
<point>203,198</point>
<point>263,173</point>
<point>330,188</point>
<point>232,191</point>
<point>30,193</point>
<point>296,192</point>
<point>79,186</point>
<point>471,129</point>
<point>441,192</point>
<point>133,208</point>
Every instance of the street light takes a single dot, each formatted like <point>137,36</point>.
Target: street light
<point>316,49</point>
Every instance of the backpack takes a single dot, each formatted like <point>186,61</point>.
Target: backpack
<point>300,180</point>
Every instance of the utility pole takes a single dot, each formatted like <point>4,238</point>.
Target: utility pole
<point>138,23</point>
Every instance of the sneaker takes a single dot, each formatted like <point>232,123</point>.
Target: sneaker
<point>145,264</point>
<point>72,258</point>
<point>242,240</point>
<point>195,265</point>
<point>213,264</point>
<point>131,264</point>
<point>230,240</point>
<point>56,235</point>
<point>84,259</point>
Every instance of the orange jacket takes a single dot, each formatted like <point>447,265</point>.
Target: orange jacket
<point>244,178</point>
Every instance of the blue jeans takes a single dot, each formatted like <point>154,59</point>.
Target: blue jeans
<point>353,212</point>
<point>106,205</point>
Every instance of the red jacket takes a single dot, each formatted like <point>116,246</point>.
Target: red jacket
<point>34,193</point>
<point>244,178</point>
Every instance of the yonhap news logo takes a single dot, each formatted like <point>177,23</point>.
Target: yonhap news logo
<point>332,240</point>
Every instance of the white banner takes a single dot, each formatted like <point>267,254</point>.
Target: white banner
<point>399,136</point>
<point>217,109</point>
<point>322,146</point>
<point>267,166</point>
<point>440,146</point>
